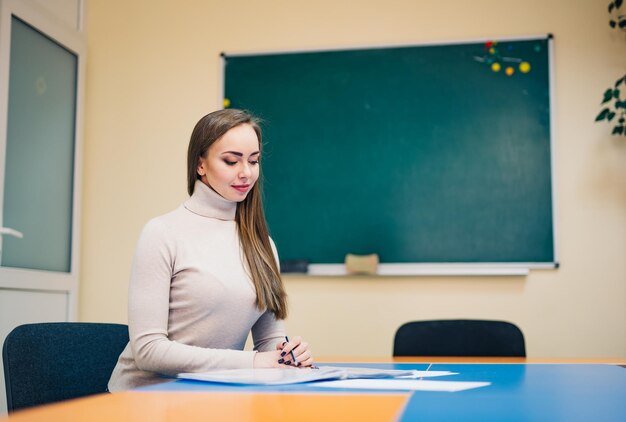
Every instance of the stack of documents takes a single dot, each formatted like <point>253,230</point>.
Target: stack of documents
<point>269,376</point>
<point>336,377</point>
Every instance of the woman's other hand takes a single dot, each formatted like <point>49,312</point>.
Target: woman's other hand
<point>267,360</point>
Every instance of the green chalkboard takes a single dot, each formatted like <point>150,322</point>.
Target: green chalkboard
<point>422,154</point>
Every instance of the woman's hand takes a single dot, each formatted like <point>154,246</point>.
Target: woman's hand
<point>267,360</point>
<point>301,353</point>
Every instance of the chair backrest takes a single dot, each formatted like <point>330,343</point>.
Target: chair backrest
<point>460,337</point>
<point>49,362</point>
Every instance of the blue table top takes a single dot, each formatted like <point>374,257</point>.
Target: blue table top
<point>518,392</point>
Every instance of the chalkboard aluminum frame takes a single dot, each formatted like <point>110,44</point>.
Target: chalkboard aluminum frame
<point>438,269</point>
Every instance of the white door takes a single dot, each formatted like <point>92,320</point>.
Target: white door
<point>41,65</point>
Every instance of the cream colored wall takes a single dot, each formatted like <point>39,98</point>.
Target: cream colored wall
<point>154,69</point>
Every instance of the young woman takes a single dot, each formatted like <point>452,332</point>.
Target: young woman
<point>206,274</point>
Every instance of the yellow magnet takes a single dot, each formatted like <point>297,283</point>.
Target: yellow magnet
<point>524,67</point>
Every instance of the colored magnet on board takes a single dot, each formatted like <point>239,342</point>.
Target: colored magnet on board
<point>226,103</point>
<point>509,71</point>
<point>524,67</point>
<point>496,67</point>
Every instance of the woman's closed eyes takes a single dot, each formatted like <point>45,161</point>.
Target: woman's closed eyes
<point>232,163</point>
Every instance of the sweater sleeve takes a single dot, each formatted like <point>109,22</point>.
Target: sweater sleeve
<point>148,313</point>
<point>268,331</point>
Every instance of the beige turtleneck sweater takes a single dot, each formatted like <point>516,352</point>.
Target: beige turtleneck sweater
<point>191,303</point>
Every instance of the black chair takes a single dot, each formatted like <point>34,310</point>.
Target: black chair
<point>460,337</point>
<point>49,362</point>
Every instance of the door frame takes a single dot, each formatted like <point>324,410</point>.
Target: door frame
<point>73,40</point>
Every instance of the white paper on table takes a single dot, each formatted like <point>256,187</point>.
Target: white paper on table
<point>402,384</point>
<point>428,374</point>
<point>355,372</point>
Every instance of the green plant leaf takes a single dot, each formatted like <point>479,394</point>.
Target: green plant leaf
<point>619,81</point>
<point>610,116</point>
<point>608,95</point>
<point>602,115</point>
<point>618,3</point>
<point>612,23</point>
<point>616,93</point>
<point>618,130</point>
<point>611,6</point>
<point>622,120</point>
<point>622,23</point>
<point>620,104</point>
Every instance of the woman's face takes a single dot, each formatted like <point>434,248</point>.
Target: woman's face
<point>231,165</point>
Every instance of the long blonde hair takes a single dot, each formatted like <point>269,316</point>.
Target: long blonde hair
<point>249,217</point>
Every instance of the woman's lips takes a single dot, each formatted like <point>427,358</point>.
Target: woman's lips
<point>241,188</point>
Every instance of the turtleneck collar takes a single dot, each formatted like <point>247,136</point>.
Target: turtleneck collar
<point>208,203</point>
